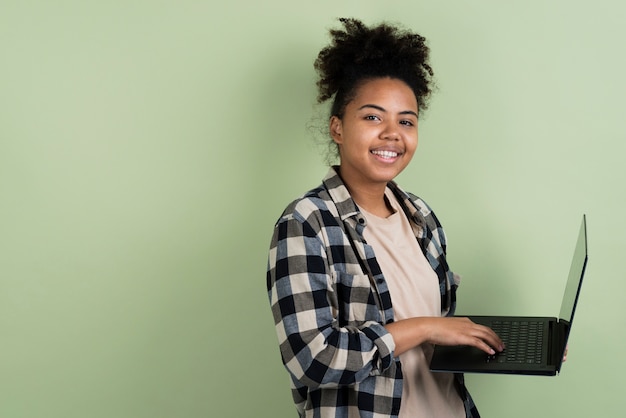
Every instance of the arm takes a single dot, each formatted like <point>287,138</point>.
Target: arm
<point>315,348</point>
<point>412,332</point>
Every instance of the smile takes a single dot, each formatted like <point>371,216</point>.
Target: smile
<point>386,154</point>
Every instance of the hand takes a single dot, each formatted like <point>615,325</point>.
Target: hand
<point>409,333</point>
<point>462,331</point>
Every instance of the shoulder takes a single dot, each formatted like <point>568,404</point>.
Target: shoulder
<point>315,206</point>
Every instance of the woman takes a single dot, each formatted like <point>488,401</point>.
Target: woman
<point>357,276</point>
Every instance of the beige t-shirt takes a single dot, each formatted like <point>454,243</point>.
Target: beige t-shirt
<point>414,289</point>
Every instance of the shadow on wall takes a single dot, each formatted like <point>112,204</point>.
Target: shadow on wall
<point>277,161</point>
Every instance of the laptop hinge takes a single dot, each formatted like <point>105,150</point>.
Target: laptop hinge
<point>561,330</point>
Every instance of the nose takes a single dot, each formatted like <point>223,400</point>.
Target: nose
<point>390,133</point>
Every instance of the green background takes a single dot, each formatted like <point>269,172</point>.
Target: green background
<point>147,148</point>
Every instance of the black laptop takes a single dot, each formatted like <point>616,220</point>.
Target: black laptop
<point>534,345</point>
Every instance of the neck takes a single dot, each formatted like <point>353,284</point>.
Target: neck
<point>370,197</point>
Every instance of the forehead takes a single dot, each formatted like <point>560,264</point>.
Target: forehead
<point>385,90</point>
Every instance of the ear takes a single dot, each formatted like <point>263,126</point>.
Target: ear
<point>335,128</point>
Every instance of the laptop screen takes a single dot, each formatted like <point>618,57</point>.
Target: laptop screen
<point>574,279</point>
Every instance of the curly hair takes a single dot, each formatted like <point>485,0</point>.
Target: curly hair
<point>358,53</point>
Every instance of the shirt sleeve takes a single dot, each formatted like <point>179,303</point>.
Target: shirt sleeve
<point>315,349</point>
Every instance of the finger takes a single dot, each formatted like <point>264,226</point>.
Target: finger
<point>486,333</point>
<point>483,339</point>
<point>463,331</point>
<point>494,343</point>
<point>482,345</point>
<point>490,338</point>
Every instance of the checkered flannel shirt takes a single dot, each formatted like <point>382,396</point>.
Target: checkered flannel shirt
<point>330,303</point>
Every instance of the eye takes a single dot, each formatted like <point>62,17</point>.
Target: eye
<point>371,117</point>
<point>407,122</point>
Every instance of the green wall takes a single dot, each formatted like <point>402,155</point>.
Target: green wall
<point>146,149</point>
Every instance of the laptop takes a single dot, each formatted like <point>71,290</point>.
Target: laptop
<point>533,345</point>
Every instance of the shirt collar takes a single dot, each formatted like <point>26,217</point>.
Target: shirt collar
<point>347,208</point>
<point>340,195</point>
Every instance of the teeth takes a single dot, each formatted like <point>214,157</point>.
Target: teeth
<point>386,154</point>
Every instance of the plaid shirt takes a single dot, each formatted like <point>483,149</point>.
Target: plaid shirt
<point>330,303</point>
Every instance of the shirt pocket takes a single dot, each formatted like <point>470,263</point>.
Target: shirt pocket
<point>355,299</point>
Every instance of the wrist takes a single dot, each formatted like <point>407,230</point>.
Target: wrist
<point>410,333</point>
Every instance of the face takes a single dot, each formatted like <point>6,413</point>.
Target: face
<point>377,135</point>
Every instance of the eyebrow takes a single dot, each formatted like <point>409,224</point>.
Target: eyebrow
<point>382,109</point>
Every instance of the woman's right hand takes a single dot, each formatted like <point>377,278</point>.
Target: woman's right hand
<point>409,333</point>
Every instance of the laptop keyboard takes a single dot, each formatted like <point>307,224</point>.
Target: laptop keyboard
<point>523,341</point>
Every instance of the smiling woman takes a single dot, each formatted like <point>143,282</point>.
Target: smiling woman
<point>358,281</point>
<point>377,138</point>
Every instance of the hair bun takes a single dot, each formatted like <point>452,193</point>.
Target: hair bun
<point>357,52</point>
